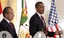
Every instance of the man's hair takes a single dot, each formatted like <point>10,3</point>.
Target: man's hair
<point>36,5</point>
<point>5,11</point>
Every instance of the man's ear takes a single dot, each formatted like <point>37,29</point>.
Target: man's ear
<point>6,15</point>
<point>36,8</point>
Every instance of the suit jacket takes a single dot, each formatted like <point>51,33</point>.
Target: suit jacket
<point>36,25</point>
<point>4,25</point>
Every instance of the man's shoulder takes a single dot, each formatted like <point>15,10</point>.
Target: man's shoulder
<point>1,25</point>
<point>2,22</point>
<point>35,15</point>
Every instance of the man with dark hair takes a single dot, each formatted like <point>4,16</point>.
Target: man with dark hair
<point>37,22</point>
<point>5,24</point>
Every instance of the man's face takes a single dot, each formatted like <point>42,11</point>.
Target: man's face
<point>40,8</point>
<point>10,14</point>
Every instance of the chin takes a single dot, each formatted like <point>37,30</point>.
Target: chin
<point>42,12</point>
<point>10,19</point>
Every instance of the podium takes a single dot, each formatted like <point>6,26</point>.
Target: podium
<point>5,34</point>
<point>39,34</point>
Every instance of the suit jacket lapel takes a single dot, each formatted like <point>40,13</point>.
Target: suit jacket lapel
<point>40,21</point>
<point>8,26</point>
<point>38,18</point>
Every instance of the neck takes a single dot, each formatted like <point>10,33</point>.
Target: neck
<point>8,19</point>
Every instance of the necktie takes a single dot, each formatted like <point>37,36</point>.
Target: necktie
<point>42,19</point>
<point>11,24</point>
<point>43,22</point>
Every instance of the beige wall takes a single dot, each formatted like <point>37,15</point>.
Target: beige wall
<point>4,3</point>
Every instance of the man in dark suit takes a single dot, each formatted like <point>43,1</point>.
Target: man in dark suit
<point>37,22</point>
<point>5,24</point>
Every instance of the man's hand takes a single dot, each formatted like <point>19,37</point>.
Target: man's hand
<point>45,32</point>
<point>58,32</point>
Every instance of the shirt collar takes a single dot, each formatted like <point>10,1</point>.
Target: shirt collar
<point>39,14</point>
<point>7,20</point>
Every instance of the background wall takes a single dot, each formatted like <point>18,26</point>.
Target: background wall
<point>60,10</point>
<point>4,3</point>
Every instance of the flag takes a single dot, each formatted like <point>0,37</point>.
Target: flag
<point>1,16</point>
<point>24,13</point>
<point>0,8</point>
<point>23,32</point>
<point>53,19</point>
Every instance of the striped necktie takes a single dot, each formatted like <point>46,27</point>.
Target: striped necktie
<point>11,24</point>
<point>43,22</point>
